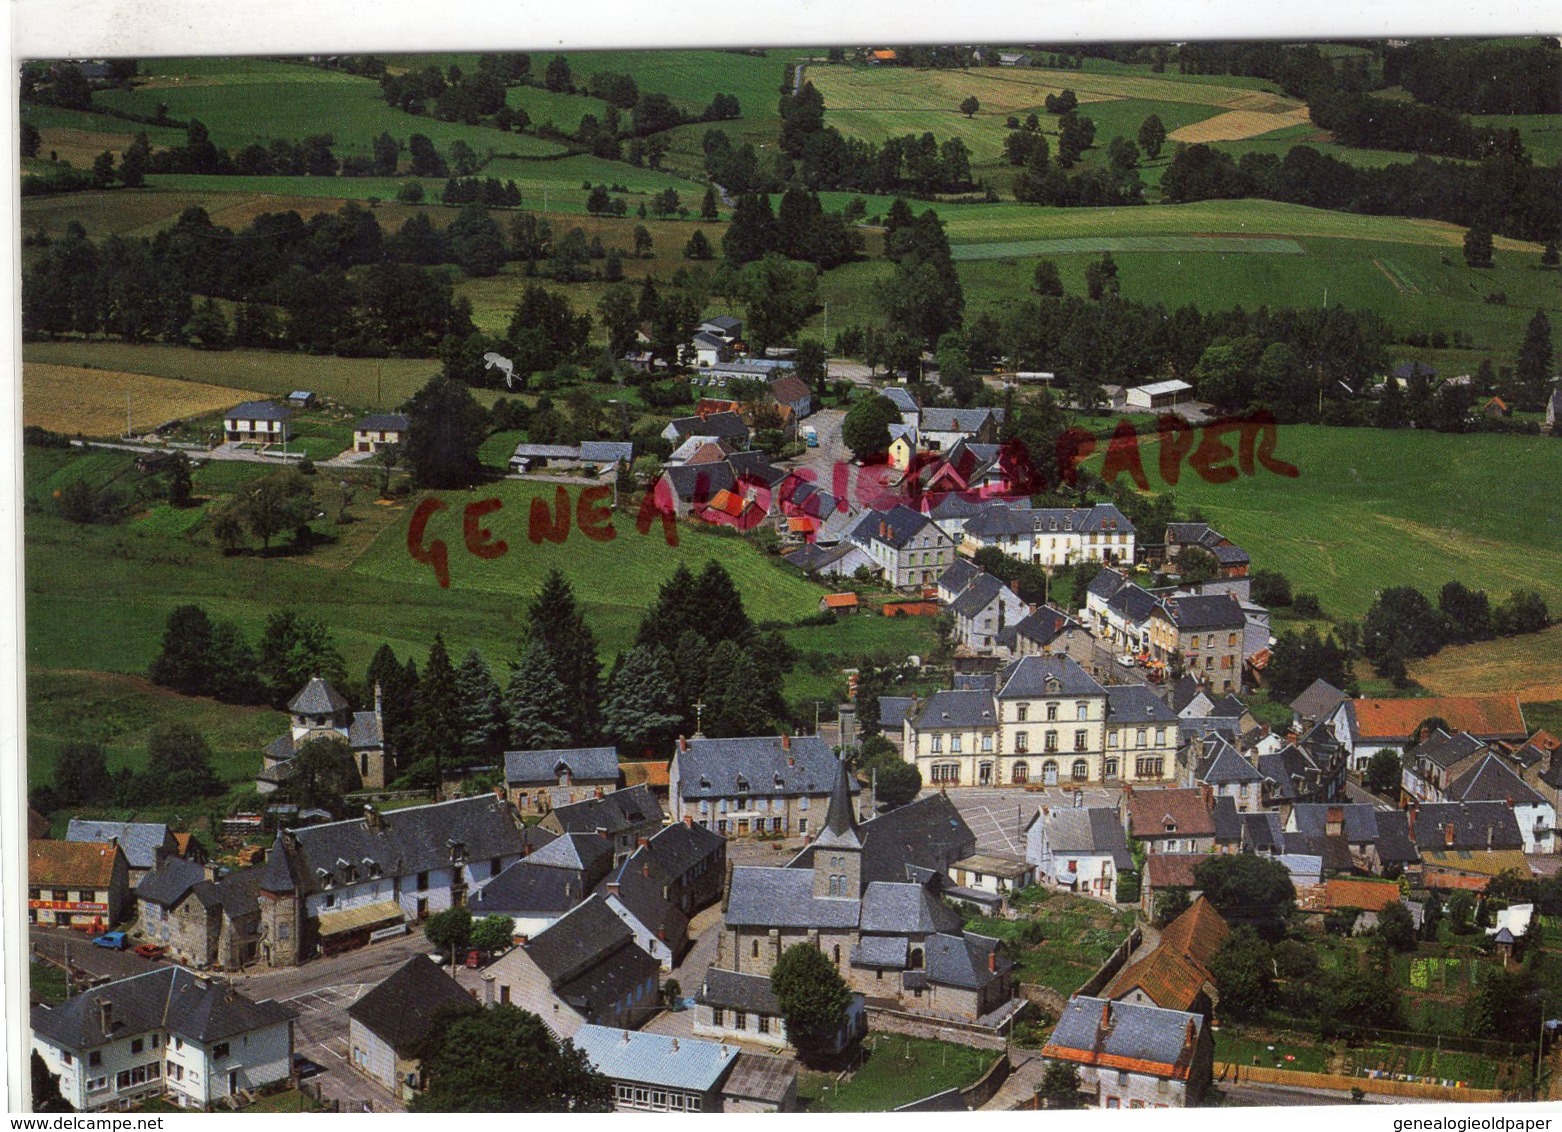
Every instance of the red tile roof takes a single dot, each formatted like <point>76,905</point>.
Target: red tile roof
<point>1169,980</point>
<point>1198,933</point>
<point>651,774</point>
<point>1172,870</point>
<point>1368,895</point>
<point>1485,717</point>
<point>1170,812</point>
<point>840,601</point>
<point>89,864</point>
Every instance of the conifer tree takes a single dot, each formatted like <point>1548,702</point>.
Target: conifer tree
<point>639,712</point>
<point>536,703</point>
<point>558,625</point>
<point>484,726</point>
<point>437,712</point>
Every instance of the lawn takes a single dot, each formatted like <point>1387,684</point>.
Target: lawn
<point>1270,1051</point>
<point>826,649</point>
<point>46,982</point>
<point>1371,509</point>
<point>1530,665</point>
<point>1078,935</point>
<point>897,1070</point>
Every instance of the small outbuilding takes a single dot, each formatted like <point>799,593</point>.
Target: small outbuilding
<point>1159,395</point>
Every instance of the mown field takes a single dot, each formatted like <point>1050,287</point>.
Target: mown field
<point>895,1070</point>
<point>96,402</point>
<point>1372,509</point>
<point>1530,665</point>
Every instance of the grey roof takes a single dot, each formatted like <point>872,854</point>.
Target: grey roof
<point>938,419</point>
<point>812,557</point>
<point>758,766</point>
<point>903,908</point>
<point>259,411</point>
<point>960,574</point>
<point>982,592</point>
<point>581,937</point>
<point>1045,625</point>
<point>741,992</point>
<point>895,527</point>
<point>887,952</point>
<point>1181,533</point>
<point>1228,821</point>
<point>530,887</point>
<point>583,852</point>
<point>681,846</point>
<point>1105,584</point>
<point>901,399</point>
<point>364,732</point>
<point>411,840</point>
<point>1229,555</point>
<point>139,840</point>
<point>756,466</point>
<point>784,898</point>
<point>616,812</point>
<point>276,876</point>
<point>1225,766</point>
<point>727,322</point>
<point>1263,831</point>
<point>892,711</point>
<point>1034,676</point>
<point>1491,780</point>
<point>1038,520</point>
<point>1135,602</point>
<point>1446,750</point>
<point>317,698</point>
<point>1205,611</point>
<point>962,960</point>
<point>584,764</point>
<point>546,452</point>
<point>402,1010</point>
<point>382,422</point>
<point>656,1059</point>
<point>955,709</point>
<point>1141,1033</point>
<point>235,892</point>
<point>719,425</point>
<point>1394,842</point>
<point>926,836</point>
<point>699,481</point>
<point>186,1005</point>
<point>1094,830</point>
<point>642,888</point>
<point>606,451</point>
<point>1475,825</point>
<point>1135,703</point>
<point>840,823</point>
<point>1319,700</point>
<point>170,882</point>
<point>975,681</point>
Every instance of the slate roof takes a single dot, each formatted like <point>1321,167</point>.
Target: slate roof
<point>641,888</point>
<point>1095,830</point>
<point>904,909</point>
<point>402,1009</point>
<point>171,882</point>
<point>756,466</point>
<point>1135,703</point>
<point>901,399</point>
<point>1149,812</point>
<point>1474,825</point>
<point>681,846</point>
<point>1485,717</point>
<point>726,323</point>
<point>739,992</point>
<point>960,574</point>
<point>720,425</point>
<point>892,711</point>
<point>812,557</point>
<point>408,841</point>
<point>887,952</point>
<point>1147,1038</point>
<point>258,411</point>
<point>690,481</point>
<point>962,960</point>
<point>938,419</point>
<point>1133,602</point>
<point>1105,584</point>
<point>606,451</point>
<point>583,936</point>
<point>616,812</point>
<point>784,898</point>
<point>955,710</point>
<point>382,422</point>
<point>1263,832</point>
<point>1030,677</point>
<point>658,1060</point>
<point>585,764</point>
<point>927,834</point>
<point>1319,700</point>
<point>895,528</point>
<point>982,592</point>
<point>84,864</point>
<point>139,840</point>
<point>758,766</point>
<point>1045,625</point>
<point>186,1005</point>
<point>317,698</point>
<point>529,888</point>
<point>1224,766</point>
<point>1198,613</point>
<point>1491,780</point>
<point>1445,750</point>
<point>1394,844</point>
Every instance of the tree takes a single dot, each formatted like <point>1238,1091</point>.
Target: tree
<point>505,1059</point>
<point>1468,613</point>
<point>810,364</point>
<point>1047,280</point>
<point>1478,245</point>
<point>1060,1086</point>
<point>323,773</point>
<point>1397,928</point>
<point>558,625</point>
<point>557,77</point>
<point>698,247</point>
<point>708,204</point>
<point>1196,565</point>
<point>493,933</point>
<point>1243,973</point>
<point>1247,888</point>
<point>1402,619</point>
<point>81,774</point>
<point>46,1087</point>
<point>450,931</point>
<point>813,999</point>
<point>183,662</point>
<point>436,731</point>
<point>1506,1006</point>
<point>426,161</point>
<point>293,649</point>
<point>234,677</point>
<point>1549,256</point>
<point>476,244</point>
<point>640,708</point>
<point>1101,279</point>
<point>445,429</point>
<point>1532,370</point>
<point>1152,135</point>
<point>484,726</point>
<point>778,296</point>
<point>180,483</point>
<point>536,703</point>
<point>1524,612</point>
<point>179,762</point>
<point>896,784</point>
<point>866,427</point>
<point>969,106</point>
<point>1383,774</point>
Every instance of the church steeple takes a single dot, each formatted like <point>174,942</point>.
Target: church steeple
<point>838,848</point>
<point>840,823</point>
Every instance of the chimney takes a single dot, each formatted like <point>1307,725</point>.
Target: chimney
<point>1448,834</point>
<point>683,744</point>
<point>786,743</point>
<point>499,793</point>
<point>1193,1034</point>
<point>1491,832</point>
<point>1208,792</point>
<point>1106,1015</point>
<point>612,888</point>
<point>105,1014</point>
<point>675,1045</point>
<point>641,843</point>
<point>688,820</point>
<point>1410,819</point>
<point>602,832</point>
<point>992,962</point>
<point>371,818</point>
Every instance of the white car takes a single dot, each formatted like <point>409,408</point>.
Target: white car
<point>1126,660</point>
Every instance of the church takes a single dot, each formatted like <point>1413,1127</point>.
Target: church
<point>319,711</point>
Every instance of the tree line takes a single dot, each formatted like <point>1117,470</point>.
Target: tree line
<point>1403,625</point>
<point>1479,78</point>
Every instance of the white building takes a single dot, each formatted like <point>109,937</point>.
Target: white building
<point>1053,536</point>
<point>1079,849</point>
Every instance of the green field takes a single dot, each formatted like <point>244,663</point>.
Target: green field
<point>897,1070</point>
<point>1265,245</point>
<point>1372,509</point>
<point>1078,935</point>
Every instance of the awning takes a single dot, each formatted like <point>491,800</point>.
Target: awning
<point>365,916</point>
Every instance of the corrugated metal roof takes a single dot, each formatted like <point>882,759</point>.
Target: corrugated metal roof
<point>655,1059</point>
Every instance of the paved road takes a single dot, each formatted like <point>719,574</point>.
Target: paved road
<point>98,962</point>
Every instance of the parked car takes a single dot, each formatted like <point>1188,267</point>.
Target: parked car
<point>115,941</point>
<point>306,1068</point>
<point>1126,660</point>
<point>151,950</point>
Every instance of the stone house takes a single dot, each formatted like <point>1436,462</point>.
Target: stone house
<point>983,610</point>
<point>144,843</point>
<point>1134,1056</point>
<point>1053,536</point>
<point>1175,973</point>
<point>204,917</point>
<point>319,711</point>
<point>1079,849</point>
<point>1170,820</point>
<point>539,781</point>
<point>774,784</point>
<point>906,546</point>
<point>624,817</point>
<point>660,1073</point>
<point>539,889</point>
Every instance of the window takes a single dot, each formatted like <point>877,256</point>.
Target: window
<point>95,1057</point>
<point>219,1051</point>
<point>1160,736</point>
<point>1052,741</point>
<point>1080,770</point>
<point>1080,740</point>
<point>717,1015</point>
<point>721,825</point>
<point>945,772</point>
<point>937,746</point>
<point>1148,768</point>
<point>330,900</point>
<point>1231,641</point>
<point>1111,738</point>
<point>1049,771</point>
<point>1021,711</point>
<point>96,1084</point>
<point>1082,712</point>
<point>65,1056</point>
<point>423,882</point>
<point>1021,742</point>
<point>755,949</point>
<point>764,1022</point>
<point>1109,769</point>
<point>137,1045</point>
<point>802,803</point>
<point>1052,711</point>
<point>284,931</point>
<point>987,744</point>
<point>739,1020</point>
<point>504,993</point>
<point>704,805</point>
<point>954,744</point>
<point>1021,773</point>
<point>802,823</point>
<point>157,1040</point>
<point>1142,735</point>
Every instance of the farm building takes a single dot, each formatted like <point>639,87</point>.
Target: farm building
<point>301,399</point>
<point>265,421</point>
<point>379,430</point>
<point>1158,395</point>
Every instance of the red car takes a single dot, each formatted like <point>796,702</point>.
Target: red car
<point>151,950</point>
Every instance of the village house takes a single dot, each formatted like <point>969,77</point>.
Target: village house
<point>890,939</point>
<point>734,1007</point>
<point>264,422</point>
<point>842,560</point>
<point>77,883</point>
<point>1351,837</point>
<point>1233,560</point>
<point>1167,873</point>
<point>1491,779</point>
<point>585,969</point>
<point>1053,536</point>
<point>940,429</point>
<point>1049,631</point>
<point>1134,1056</point>
<point>1215,762</point>
<point>1323,703</point>
<point>332,887</point>
<point>1367,898</point>
<point>660,1073</point>
<point>623,817</point>
<point>1390,724</point>
<point>1081,849</point>
<point>1310,769</point>
<point>664,883</point>
<point>1141,736</point>
<point>145,843</point>
<point>1171,819</point>
<point>1119,612</point>
<point>319,711</point>
<point>379,430</point>
<point>1175,973</point>
<point>1431,766</point>
<point>905,545</point>
<point>1206,634</point>
<point>541,887</point>
<point>539,781</point>
<point>727,427</point>
<point>165,1033</point>
<point>983,610</point>
<point>389,1025</point>
<point>206,918</point>
<point>743,787</point>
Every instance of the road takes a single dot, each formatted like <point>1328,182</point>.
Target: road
<point>98,962</point>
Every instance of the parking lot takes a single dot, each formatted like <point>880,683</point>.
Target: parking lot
<point>320,1035</point>
<point>998,817</point>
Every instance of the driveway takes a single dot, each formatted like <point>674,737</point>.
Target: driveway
<point>53,944</point>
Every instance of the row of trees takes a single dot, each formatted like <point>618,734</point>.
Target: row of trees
<point>178,769</point>
<point>1402,625</point>
<point>800,230</point>
<point>203,657</point>
<point>1381,123</point>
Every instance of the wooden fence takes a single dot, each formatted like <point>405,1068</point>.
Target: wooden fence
<point>1295,1078</point>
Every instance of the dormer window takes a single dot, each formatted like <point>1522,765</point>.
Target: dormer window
<point>457,851</point>
<point>742,785</point>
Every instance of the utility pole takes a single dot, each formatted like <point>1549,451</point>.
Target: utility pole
<point>817,705</point>
<point>127,414</point>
